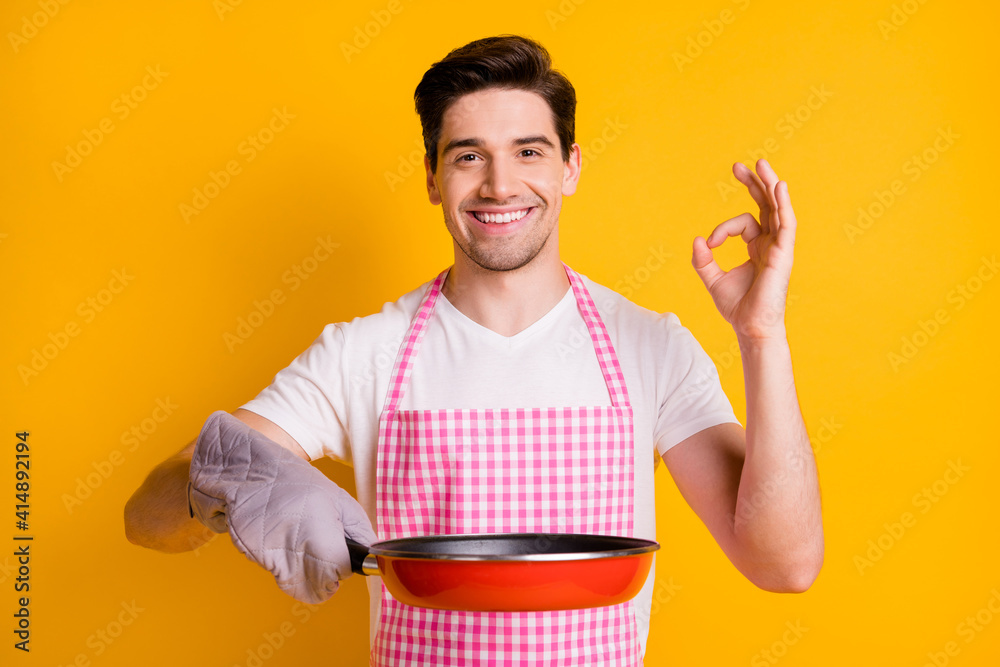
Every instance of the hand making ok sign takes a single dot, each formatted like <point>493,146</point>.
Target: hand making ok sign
<point>752,295</point>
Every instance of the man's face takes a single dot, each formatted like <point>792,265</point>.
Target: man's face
<point>500,178</point>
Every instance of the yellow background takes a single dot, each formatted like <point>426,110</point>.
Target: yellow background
<point>895,73</point>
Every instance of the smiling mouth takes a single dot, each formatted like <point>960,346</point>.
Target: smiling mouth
<point>500,218</point>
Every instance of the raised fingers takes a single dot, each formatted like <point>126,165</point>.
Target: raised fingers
<point>762,187</point>
<point>785,212</point>
<point>757,190</point>
<point>770,180</point>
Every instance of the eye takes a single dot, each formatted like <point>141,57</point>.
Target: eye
<point>530,152</point>
<point>467,157</point>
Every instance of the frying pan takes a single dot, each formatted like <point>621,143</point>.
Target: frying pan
<point>508,572</point>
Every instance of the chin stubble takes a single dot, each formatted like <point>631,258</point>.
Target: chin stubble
<point>501,259</point>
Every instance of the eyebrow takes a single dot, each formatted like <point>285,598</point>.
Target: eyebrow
<point>476,143</point>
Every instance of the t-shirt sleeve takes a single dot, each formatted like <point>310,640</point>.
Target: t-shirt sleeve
<point>308,398</point>
<point>692,397</point>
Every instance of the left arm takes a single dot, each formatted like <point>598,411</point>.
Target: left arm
<point>757,491</point>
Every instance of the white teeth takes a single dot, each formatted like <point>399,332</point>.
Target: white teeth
<point>500,218</point>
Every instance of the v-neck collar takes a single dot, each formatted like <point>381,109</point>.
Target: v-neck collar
<point>448,309</point>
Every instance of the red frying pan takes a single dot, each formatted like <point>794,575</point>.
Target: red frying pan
<point>508,572</point>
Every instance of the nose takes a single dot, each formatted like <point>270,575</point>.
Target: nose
<point>499,182</point>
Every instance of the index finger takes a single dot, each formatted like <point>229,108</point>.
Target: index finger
<point>758,191</point>
<point>770,180</point>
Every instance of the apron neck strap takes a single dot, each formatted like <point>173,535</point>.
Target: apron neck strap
<point>613,377</point>
<point>606,356</point>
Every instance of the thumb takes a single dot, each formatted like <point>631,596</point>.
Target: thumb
<point>704,263</point>
<point>355,520</point>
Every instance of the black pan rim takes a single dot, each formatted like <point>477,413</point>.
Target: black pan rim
<point>620,547</point>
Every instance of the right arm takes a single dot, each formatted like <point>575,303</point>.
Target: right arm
<point>157,516</point>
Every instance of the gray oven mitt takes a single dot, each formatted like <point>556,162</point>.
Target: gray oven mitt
<point>281,512</point>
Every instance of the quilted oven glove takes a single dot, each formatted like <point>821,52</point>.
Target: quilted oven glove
<point>280,511</point>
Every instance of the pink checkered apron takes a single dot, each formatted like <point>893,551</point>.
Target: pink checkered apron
<point>500,470</point>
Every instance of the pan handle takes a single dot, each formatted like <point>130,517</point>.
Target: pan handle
<point>362,562</point>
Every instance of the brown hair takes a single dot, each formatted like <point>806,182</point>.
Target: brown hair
<point>507,62</point>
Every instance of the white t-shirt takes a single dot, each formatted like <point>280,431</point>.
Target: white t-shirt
<point>330,397</point>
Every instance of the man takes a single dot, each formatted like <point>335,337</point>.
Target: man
<point>505,406</point>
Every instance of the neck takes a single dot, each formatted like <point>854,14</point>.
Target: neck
<point>506,302</point>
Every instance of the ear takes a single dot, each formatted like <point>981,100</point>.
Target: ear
<point>432,189</point>
<point>571,170</point>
